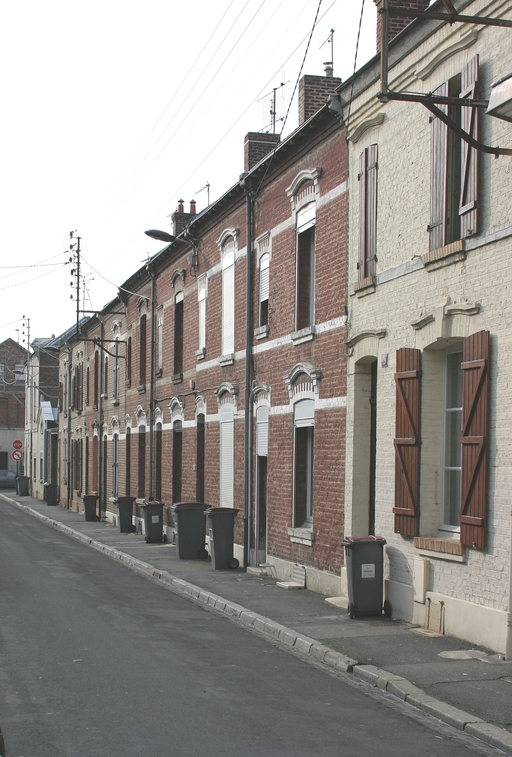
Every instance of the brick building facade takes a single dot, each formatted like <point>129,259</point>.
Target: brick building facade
<point>158,402</point>
<point>13,358</point>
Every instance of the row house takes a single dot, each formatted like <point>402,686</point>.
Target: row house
<point>13,358</point>
<point>429,457</point>
<point>159,401</point>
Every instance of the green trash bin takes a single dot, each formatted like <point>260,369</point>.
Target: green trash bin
<point>50,494</point>
<point>125,513</point>
<point>190,525</point>
<point>221,524</point>
<point>90,501</point>
<point>153,521</point>
<point>365,575</point>
<point>22,486</point>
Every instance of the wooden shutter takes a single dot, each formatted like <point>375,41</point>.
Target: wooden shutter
<point>438,176</point>
<point>368,167</point>
<point>475,420</point>
<point>407,441</point>
<point>468,205</point>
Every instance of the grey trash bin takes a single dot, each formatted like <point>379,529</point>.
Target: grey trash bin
<point>125,513</point>
<point>50,494</point>
<point>22,486</point>
<point>221,523</point>
<point>365,575</point>
<point>90,501</point>
<point>190,525</point>
<point>153,521</point>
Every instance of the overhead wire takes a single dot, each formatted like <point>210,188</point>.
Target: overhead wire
<point>355,64</point>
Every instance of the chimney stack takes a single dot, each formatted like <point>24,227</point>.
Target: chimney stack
<point>397,23</point>
<point>314,90</point>
<point>180,219</point>
<point>257,145</point>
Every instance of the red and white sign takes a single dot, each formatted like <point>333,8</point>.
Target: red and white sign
<point>17,444</point>
<point>17,454</point>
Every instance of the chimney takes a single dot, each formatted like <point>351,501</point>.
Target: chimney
<point>397,23</point>
<point>180,219</point>
<point>313,92</point>
<point>256,146</point>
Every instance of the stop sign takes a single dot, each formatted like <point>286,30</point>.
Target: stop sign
<point>17,444</point>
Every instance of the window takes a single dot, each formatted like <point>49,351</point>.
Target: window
<point>201,299</point>
<point>19,374</point>
<point>87,387</point>
<point>228,297</point>
<point>305,291</point>
<point>227,431</point>
<point>178,333</point>
<point>454,165</point>
<point>2,373</point>
<point>454,438</point>
<point>200,455</point>
<point>142,349</point>
<point>159,340</point>
<point>129,361</point>
<point>303,421</point>
<point>96,378</point>
<point>177,452</point>
<point>115,465</point>
<point>105,377</point>
<point>264,289</point>
<point>115,392</point>
<point>367,177</point>
<point>158,462</point>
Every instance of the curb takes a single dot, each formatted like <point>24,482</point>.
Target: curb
<point>290,639</point>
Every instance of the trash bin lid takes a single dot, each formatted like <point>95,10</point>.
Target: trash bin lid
<point>352,541</point>
<point>188,505</point>
<point>220,510</point>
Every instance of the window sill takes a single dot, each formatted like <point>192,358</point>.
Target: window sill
<point>141,389</point>
<point>200,354</point>
<point>262,332</point>
<point>177,378</point>
<point>444,256</point>
<point>302,536</point>
<point>304,335</point>
<point>128,384</point>
<point>227,359</point>
<point>115,401</point>
<point>158,373</point>
<point>440,549</point>
<point>364,286</point>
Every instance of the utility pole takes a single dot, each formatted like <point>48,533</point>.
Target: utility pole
<point>75,258</point>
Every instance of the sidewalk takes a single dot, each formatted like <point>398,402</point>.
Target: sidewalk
<point>470,689</point>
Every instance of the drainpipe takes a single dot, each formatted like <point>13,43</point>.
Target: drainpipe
<point>68,462</point>
<point>151,380</point>
<point>100,445</point>
<point>248,371</point>
<point>508,639</point>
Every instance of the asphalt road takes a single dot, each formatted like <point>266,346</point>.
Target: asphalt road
<point>97,661</point>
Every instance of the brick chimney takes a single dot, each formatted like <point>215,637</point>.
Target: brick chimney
<point>397,23</point>
<point>180,219</point>
<point>256,146</point>
<point>313,92</point>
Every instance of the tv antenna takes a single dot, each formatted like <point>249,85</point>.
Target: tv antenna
<point>271,100</point>
<point>207,187</point>
<point>330,38</point>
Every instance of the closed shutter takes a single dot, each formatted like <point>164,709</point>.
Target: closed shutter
<point>262,431</point>
<point>475,420</point>
<point>407,441</point>
<point>368,168</point>
<point>226,455</point>
<point>438,176</point>
<point>228,310</point>
<point>468,206</point>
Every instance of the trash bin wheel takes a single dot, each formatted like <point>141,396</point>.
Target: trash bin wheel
<point>233,563</point>
<point>387,608</point>
<point>202,554</point>
<point>165,539</point>
<point>147,538</point>
<point>351,611</point>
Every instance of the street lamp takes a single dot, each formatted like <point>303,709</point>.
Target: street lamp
<point>500,101</point>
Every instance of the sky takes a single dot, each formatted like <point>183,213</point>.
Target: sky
<point>112,112</point>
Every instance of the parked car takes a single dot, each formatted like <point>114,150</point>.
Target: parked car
<point>7,479</point>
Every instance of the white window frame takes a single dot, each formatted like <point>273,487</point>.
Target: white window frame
<point>306,220</point>
<point>227,449</point>
<point>201,300</point>
<point>446,411</point>
<point>160,338</point>
<point>228,297</point>
<point>304,417</point>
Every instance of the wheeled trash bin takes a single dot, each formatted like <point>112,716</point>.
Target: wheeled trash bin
<point>190,525</point>
<point>221,524</point>
<point>90,506</point>
<point>125,514</point>
<point>22,486</point>
<point>153,521</point>
<point>365,575</point>
<point>50,494</point>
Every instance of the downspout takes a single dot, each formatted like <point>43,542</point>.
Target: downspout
<point>151,380</point>
<point>248,370</point>
<point>68,451</point>
<point>100,445</point>
<point>508,638</point>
